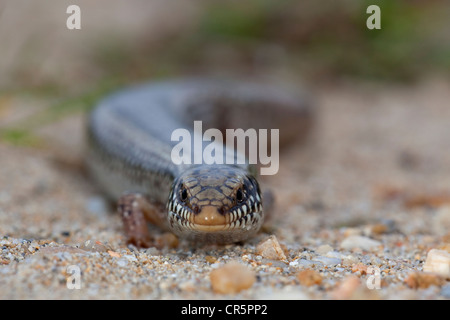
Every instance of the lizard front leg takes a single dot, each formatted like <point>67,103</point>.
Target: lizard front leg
<point>136,211</point>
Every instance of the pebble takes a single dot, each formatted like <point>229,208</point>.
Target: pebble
<point>323,249</point>
<point>382,227</point>
<point>152,251</point>
<point>210,259</point>
<point>113,254</point>
<point>346,288</point>
<point>327,261</point>
<point>349,260</point>
<point>45,251</point>
<point>361,268</point>
<point>352,288</point>
<point>94,246</point>
<point>33,247</point>
<point>130,258</point>
<point>271,249</point>
<point>361,242</point>
<point>309,277</point>
<point>307,263</point>
<point>293,263</point>
<point>334,254</point>
<point>188,285</point>
<point>438,261</point>
<point>231,278</point>
<point>122,262</point>
<point>423,280</point>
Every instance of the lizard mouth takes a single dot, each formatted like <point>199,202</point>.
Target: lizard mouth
<point>209,219</point>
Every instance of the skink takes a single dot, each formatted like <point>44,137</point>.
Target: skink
<point>129,154</point>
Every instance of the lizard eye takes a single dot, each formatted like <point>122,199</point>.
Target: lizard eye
<point>183,193</point>
<point>239,195</point>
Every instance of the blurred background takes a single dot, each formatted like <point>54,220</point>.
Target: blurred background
<point>317,43</point>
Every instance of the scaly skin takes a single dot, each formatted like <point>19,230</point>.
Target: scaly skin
<point>129,155</point>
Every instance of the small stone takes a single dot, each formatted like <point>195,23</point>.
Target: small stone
<point>152,251</point>
<point>210,259</point>
<point>271,249</point>
<point>307,263</point>
<point>94,246</point>
<point>114,254</point>
<point>422,280</point>
<point>188,286</point>
<point>323,249</point>
<point>382,227</point>
<point>56,250</point>
<point>361,242</point>
<point>378,228</point>
<point>346,288</point>
<point>122,262</point>
<point>293,263</point>
<point>4,261</point>
<point>335,254</point>
<point>328,261</point>
<point>361,268</point>
<point>438,261</point>
<point>130,258</point>
<point>348,232</point>
<point>309,277</point>
<point>232,278</point>
<point>352,288</point>
<point>349,260</point>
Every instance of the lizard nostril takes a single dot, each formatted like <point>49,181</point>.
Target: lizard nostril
<point>196,209</point>
<point>221,210</point>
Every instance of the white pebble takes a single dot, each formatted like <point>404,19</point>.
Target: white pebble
<point>293,263</point>
<point>438,261</point>
<point>328,261</point>
<point>361,242</point>
<point>122,262</point>
<point>130,257</point>
<point>307,263</point>
<point>323,249</point>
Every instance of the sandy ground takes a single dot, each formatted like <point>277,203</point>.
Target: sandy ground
<point>364,200</point>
